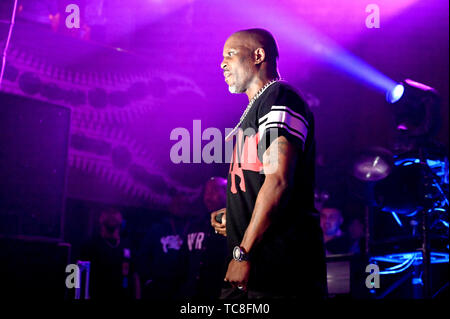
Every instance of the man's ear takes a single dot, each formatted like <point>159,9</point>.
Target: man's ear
<point>259,55</point>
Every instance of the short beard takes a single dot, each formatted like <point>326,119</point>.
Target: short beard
<point>233,89</point>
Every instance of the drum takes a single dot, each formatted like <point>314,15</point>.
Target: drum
<point>413,184</point>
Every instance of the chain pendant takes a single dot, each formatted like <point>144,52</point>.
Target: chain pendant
<point>247,109</point>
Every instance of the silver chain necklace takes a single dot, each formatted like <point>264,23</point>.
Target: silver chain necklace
<point>247,109</point>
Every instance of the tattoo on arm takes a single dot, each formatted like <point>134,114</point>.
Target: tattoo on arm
<point>282,147</point>
<point>274,150</point>
<point>279,154</point>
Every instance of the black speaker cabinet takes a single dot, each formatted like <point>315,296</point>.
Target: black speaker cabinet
<point>33,158</point>
<point>33,269</point>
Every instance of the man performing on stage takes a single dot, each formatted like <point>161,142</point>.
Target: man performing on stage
<point>272,228</point>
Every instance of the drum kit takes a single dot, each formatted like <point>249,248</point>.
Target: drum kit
<point>411,184</point>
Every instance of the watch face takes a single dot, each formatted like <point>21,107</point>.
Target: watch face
<point>237,253</point>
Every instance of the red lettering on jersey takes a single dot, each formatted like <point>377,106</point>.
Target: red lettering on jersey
<point>248,159</point>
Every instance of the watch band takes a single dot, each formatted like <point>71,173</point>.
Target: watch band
<point>239,254</point>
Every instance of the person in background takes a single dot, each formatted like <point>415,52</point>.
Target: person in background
<point>206,250</point>
<point>162,259</point>
<point>112,274</point>
<point>336,242</point>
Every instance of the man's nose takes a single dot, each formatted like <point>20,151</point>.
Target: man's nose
<point>223,65</point>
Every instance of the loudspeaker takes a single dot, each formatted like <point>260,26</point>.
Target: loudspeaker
<point>33,157</point>
<point>33,269</point>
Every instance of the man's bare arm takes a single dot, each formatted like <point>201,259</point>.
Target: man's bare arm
<point>279,159</point>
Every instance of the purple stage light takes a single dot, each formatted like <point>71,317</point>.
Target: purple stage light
<point>158,69</point>
<point>292,29</point>
<point>395,94</point>
<point>416,107</point>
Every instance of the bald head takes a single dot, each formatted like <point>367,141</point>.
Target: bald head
<point>259,38</point>
<point>249,61</point>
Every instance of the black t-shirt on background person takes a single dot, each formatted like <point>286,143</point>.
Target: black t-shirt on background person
<point>206,252</point>
<point>290,256</point>
<point>340,245</point>
<point>112,268</point>
<point>162,260</point>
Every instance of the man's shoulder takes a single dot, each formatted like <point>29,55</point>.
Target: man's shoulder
<point>284,93</point>
<point>283,87</point>
<point>287,96</point>
<point>340,244</point>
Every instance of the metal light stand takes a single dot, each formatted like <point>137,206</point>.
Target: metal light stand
<point>429,180</point>
<point>426,259</point>
<point>8,38</point>
<point>84,267</point>
<point>368,218</point>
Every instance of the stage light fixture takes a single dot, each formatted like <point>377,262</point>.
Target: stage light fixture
<point>395,94</point>
<point>416,108</point>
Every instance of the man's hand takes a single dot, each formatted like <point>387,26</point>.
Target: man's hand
<point>238,273</point>
<point>221,228</point>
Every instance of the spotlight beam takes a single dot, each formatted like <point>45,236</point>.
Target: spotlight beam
<point>288,27</point>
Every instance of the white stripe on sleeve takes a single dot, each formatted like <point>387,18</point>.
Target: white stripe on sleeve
<point>284,117</point>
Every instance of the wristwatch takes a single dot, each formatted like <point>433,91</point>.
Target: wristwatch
<point>239,254</point>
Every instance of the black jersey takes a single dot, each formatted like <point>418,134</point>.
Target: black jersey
<point>291,250</point>
<point>162,259</point>
<point>112,267</point>
<point>206,257</point>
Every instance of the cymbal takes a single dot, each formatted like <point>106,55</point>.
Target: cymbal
<point>373,165</point>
